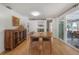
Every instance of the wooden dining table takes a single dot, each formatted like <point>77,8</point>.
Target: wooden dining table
<point>41,43</point>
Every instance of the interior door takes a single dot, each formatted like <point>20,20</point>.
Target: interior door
<point>61,29</point>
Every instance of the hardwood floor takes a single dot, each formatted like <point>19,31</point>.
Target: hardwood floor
<point>43,49</point>
<point>61,48</point>
<point>58,48</point>
<point>22,49</point>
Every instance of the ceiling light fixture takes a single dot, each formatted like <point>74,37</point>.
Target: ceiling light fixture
<point>35,13</point>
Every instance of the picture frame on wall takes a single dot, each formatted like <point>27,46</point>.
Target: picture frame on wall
<point>15,21</point>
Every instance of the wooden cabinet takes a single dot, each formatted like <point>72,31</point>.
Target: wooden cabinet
<point>13,38</point>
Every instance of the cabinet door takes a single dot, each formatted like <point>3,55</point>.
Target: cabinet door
<point>16,37</point>
<point>20,36</point>
<point>8,40</point>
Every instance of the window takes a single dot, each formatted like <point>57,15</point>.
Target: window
<point>40,30</point>
<point>74,26</point>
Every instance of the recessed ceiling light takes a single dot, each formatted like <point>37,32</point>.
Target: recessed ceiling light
<point>35,13</point>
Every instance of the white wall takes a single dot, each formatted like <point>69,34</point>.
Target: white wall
<point>55,27</point>
<point>43,22</point>
<point>33,25</point>
<point>50,27</point>
<point>6,23</point>
<point>25,21</point>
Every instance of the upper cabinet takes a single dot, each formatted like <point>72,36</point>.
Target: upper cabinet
<point>15,21</point>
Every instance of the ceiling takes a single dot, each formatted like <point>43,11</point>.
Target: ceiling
<point>47,10</point>
<point>73,16</point>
